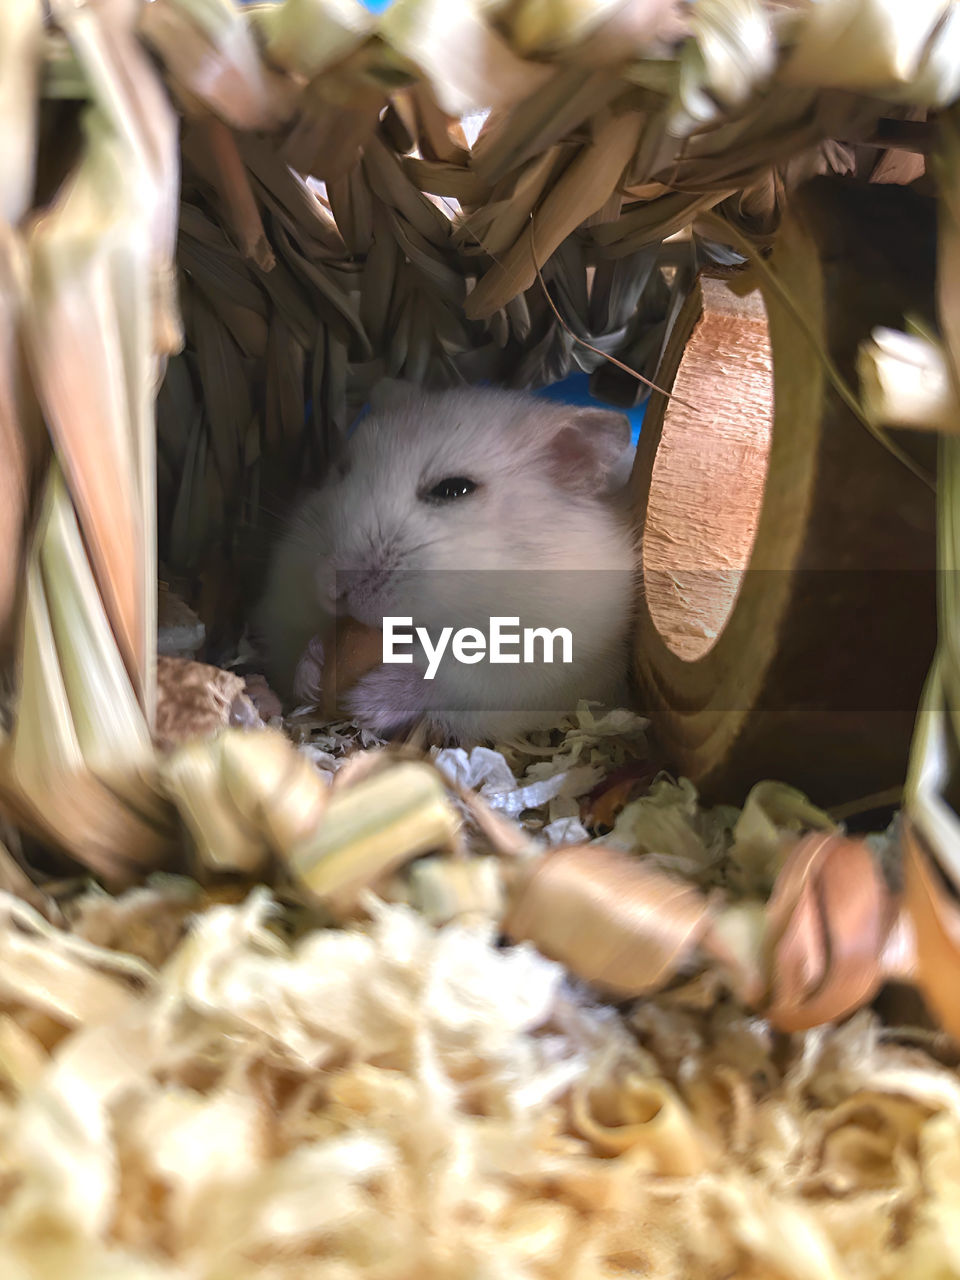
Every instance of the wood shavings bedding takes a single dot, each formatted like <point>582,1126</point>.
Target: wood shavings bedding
<point>399,1101</point>
<point>208,1086</point>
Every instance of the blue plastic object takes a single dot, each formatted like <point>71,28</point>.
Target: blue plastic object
<point>575,389</point>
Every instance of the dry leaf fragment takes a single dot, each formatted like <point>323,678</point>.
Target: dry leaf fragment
<point>582,190</point>
<point>213,148</point>
<point>468,64</point>
<point>331,130</point>
<point>548,114</point>
<point>211,55</point>
<point>308,36</point>
<point>600,807</point>
<point>440,135</point>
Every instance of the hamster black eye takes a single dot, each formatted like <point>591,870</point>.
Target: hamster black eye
<point>450,489</point>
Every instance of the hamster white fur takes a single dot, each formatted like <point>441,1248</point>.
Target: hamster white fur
<point>542,504</point>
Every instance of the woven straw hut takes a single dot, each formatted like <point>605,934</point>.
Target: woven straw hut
<point>223,224</point>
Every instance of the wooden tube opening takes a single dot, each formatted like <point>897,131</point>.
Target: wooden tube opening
<point>706,488</point>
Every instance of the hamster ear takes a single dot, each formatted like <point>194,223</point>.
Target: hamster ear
<point>391,393</point>
<point>587,447</point>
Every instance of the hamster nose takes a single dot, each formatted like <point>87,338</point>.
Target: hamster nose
<point>356,588</point>
<point>346,584</point>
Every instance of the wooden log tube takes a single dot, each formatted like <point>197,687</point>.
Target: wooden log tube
<point>786,614</point>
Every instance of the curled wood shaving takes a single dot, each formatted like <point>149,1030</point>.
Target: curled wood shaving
<point>828,919</point>
<point>830,935</point>
<point>622,1111</point>
<point>609,919</point>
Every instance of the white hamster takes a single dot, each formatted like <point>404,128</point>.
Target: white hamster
<point>452,508</point>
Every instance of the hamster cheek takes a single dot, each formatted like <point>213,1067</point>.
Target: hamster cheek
<point>388,698</point>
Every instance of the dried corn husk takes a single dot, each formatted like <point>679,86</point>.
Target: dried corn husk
<point>905,383</point>
<point>213,57</point>
<point>100,255</point>
<point>934,824</point>
<point>307,36</point>
<point>372,827</point>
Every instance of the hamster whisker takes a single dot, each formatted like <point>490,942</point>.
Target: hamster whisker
<point>412,547</point>
<point>302,541</point>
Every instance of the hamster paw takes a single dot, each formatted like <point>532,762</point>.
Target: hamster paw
<point>388,699</point>
<point>262,703</point>
<point>308,677</point>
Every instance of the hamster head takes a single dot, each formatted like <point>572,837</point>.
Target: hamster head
<point>449,506</point>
